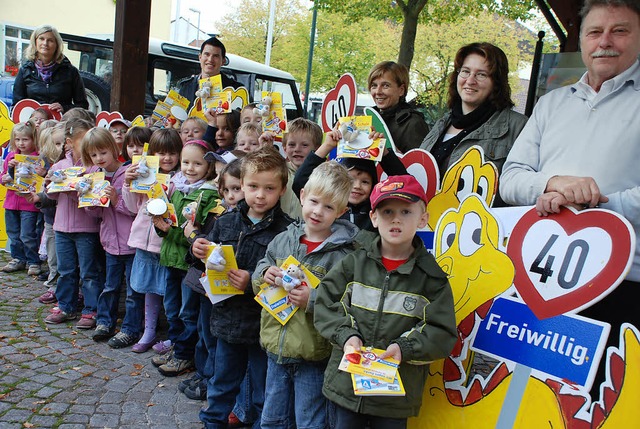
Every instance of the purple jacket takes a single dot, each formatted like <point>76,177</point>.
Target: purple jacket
<point>143,233</point>
<point>13,201</point>
<point>116,220</point>
<point>69,218</point>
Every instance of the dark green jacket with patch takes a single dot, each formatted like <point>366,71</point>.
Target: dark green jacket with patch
<point>411,306</point>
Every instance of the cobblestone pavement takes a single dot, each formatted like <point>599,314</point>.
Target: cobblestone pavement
<point>55,376</point>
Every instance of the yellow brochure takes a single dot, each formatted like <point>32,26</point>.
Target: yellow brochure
<point>355,142</point>
<point>148,166</point>
<point>25,178</point>
<point>366,362</point>
<point>370,386</point>
<point>276,119</point>
<point>275,299</point>
<point>173,98</point>
<point>96,197</point>
<point>65,180</point>
<point>220,102</point>
<point>220,259</point>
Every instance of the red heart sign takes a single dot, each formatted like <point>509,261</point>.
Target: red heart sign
<point>104,118</point>
<point>568,261</point>
<point>421,165</point>
<point>23,109</point>
<point>339,102</point>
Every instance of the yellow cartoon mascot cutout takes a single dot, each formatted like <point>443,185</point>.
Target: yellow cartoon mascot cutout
<point>470,174</point>
<point>469,245</point>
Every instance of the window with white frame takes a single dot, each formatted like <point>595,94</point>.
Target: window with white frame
<point>16,42</point>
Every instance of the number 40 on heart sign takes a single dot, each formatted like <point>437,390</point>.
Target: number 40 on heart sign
<point>339,102</point>
<point>567,261</point>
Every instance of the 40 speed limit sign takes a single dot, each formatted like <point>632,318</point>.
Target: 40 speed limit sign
<point>567,261</point>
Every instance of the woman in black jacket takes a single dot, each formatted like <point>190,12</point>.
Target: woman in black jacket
<point>388,83</point>
<point>48,76</point>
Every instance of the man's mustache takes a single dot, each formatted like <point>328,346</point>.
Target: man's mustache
<point>605,53</point>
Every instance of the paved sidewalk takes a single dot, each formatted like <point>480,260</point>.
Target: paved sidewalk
<point>55,376</point>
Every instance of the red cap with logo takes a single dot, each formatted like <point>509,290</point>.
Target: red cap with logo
<point>403,188</point>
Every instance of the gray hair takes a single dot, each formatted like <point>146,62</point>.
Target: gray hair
<point>32,51</point>
<point>634,5</point>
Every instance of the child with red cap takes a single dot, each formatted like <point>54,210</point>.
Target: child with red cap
<point>391,295</point>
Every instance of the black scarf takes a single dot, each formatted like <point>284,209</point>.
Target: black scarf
<point>473,120</point>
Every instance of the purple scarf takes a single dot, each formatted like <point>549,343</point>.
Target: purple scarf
<point>45,71</point>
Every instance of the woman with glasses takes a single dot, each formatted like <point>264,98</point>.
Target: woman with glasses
<point>480,103</point>
<point>48,76</point>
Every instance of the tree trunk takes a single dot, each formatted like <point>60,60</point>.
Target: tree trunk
<point>409,30</point>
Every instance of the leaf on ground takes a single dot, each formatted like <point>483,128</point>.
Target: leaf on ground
<point>76,368</point>
<point>138,366</point>
<point>28,425</point>
<point>134,373</point>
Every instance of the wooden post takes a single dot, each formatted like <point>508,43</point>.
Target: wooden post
<point>130,54</point>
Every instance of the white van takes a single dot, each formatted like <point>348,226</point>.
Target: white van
<point>168,64</point>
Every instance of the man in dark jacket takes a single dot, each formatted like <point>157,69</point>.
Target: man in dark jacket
<point>212,56</point>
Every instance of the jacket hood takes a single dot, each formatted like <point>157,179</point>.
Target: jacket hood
<point>342,232</point>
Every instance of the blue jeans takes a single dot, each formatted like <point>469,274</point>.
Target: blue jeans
<point>173,302</point>
<point>185,344</point>
<point>347,419</point>
<point>79,251</point>
<point>244,409</point>
<point>230,367</point>
<point>23,231</point>
<point>293,396</point>
<point>133,322</point>
<point>116,266</point>
<point>206,345</point>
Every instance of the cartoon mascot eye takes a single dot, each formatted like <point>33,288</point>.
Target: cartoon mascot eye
<point>465,183</point>
<point>448,236</point>
<point>470,234</point>
<point>483,188</point>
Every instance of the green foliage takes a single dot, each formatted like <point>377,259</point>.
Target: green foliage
<point>426,11</point>
<point>340,46</point>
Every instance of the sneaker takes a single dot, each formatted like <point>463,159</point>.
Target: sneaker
<point>48,297</point>
<point>197,392</point>
<point>162,347</point>
<point>59,316</point>
<point>43,276</point>
<point>189,382</point>
<point>14,265</point>
<point>176,367</point>
<point>122,339</point>
<point>162,359</point>
<point>102,332</point>
<point>34,270</point>
<point>87,321</point>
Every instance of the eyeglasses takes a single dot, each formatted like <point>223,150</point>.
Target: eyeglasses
<point>121,131</point>
<point>466,74</point>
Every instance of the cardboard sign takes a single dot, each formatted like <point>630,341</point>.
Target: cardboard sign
<point>563,347</point>
<point>23,109</point>
<point>339,102</point>
<point>567,261</point>
<point>104,118</point>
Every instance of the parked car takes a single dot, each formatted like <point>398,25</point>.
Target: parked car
<point>6,90</point>
<point>168,63</point>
